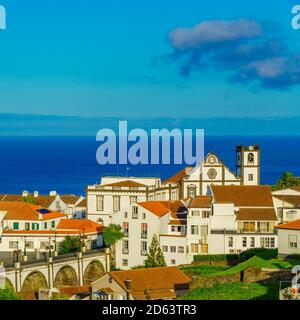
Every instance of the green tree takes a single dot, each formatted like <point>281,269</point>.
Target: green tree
<point>30,199</point>
<point>287,180</point>
<point>70,244</point>
<point>8,294</point>
<point>155,256</point>
<point>111,235</point>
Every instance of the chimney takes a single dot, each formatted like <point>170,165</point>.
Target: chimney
<point>128,287</point>
<point>52,193</point>
<point>25,194</point>
<point>36,194</point>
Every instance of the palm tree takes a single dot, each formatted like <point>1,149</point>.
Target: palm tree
<point>288,180</point>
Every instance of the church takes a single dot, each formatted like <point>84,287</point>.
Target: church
<point>115,193</point>
<point>195,181</point>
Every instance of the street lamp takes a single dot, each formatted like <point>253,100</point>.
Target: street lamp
<point>55,245</point>
<point>17,252</point>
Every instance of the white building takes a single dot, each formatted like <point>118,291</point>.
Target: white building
<point>116,193</point>
<point>140,222</point>
<point>32,228</point>
<point>287,206</point>
<point>289,238</point>
<point>232,219</point>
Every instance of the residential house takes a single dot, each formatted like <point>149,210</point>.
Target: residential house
<point>289,238</point>
<point>165,283</point>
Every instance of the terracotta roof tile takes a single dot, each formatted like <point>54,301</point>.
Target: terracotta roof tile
<point>81,204</point>
<point>26,211</point>
<point>159,280</point>
<point>161,208</point>
<point>200,202</point>
<point>292,199</point>
<point>264,214</point>
<point>126,183</point>
<point>293,225</point>
<point>178,176</point>
<point>243,196</point>
<point>69,198</point>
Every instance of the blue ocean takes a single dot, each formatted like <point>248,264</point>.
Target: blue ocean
<point>68,164</point>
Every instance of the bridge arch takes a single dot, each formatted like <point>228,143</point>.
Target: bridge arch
<point>34,281</point>
<point>9,284</point>
<point>93,271</point>
<point>66,277</point>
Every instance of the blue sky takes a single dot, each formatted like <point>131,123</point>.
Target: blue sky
<point>126,58</point>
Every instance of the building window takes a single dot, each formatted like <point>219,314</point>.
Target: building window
<point>194,230</point>
<point>53,224</point>
<point>134,212</point>
<point>13,244</point>
<point>251,157</point>
<point>27,226</point>
<point>195,213</point>
<point>35,226</point>
<point>194,248</point>
<point>250,177</point>
<point>16,225</point>
<point>249,226</point>
<point>291,215</point>
<point>45,225</point>
<point>124,262</point>
<point>125,215</point>
<point>204,230</point>
<point>252,242</point>
<point>165,248</point>
<point>144,215</point>
<point>100,203</point>
<point>265,227</point>
<point>133,200</point>
<point>144,230</point>
<point>292,241</point>
<point>172,249</point>
<point>125,246</point>
<point>173,195</point>
<point>180,249</point>
<point>230,242</point>
<point>125,229</point>
<point>205,214</point>
<point>244,240</point>
<point>173,262</point>
<point>116,203</point>
<point>191,191</point>
<point>266,242</point>
<point>144,248</point>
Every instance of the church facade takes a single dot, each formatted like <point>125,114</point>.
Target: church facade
<point>115,193</point>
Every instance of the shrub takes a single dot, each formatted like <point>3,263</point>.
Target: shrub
<point>263,253</point>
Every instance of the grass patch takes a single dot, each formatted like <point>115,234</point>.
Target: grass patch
<point>235,291</point>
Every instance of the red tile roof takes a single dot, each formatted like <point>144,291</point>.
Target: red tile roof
<point>26,211</point>
<point>161,281</point>
<point>161,208</point>
<point>126,183</point>
<point>243,196</point>
<point>291,199</point>
<point>65,226</point>
<point>177,177</point>
<point>200,202</point>
<point>263,214</point>
<point>293,225</point>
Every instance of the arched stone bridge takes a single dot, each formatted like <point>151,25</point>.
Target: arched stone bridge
<point>76,270</point>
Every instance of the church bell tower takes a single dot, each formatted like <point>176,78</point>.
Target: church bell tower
<point>248,164</point>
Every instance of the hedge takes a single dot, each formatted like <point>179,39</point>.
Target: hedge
<point>263,253</point>
<point>217,257</point>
